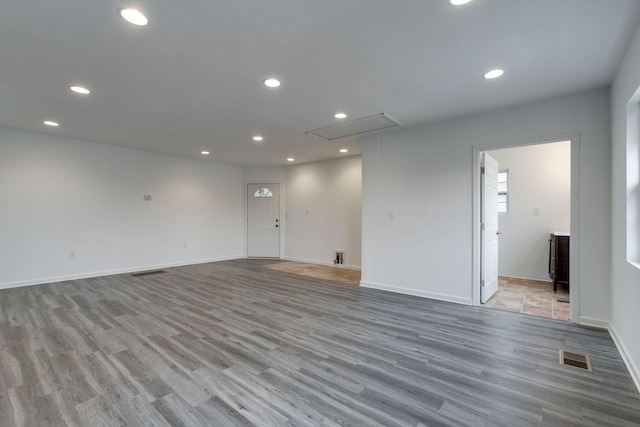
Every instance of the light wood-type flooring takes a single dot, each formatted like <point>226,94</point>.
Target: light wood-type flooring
<point>233,343</point>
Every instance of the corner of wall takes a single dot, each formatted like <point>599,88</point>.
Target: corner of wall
<point>593,322</point>
<point>416,293</point>
<point>626,355</point>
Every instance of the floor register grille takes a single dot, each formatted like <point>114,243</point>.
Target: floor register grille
<point>580,361</point>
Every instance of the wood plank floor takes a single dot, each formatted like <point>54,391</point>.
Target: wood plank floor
<point>232,343</point>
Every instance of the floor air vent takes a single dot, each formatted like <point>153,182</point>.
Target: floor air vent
<point>148,273</point>
<point>576,360</point>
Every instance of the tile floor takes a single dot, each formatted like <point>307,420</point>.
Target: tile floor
<point>337,274</point>
<point>530,297</point>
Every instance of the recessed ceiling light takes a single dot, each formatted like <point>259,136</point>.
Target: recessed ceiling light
<point>51,123</point>
<point>340,115</point>
<point>291,159</point>
<point>459,2</point>
<point>272,82</point>
<point>80,89</point>
<point>493,74</point>
<point>134,16</point>
<point>206,153</point>
<point>257,138</point>
<point>344,150</point>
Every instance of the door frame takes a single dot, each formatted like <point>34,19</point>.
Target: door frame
<point>574,255</point>
<point>246,215</point>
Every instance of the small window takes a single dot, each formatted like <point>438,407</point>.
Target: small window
<point>503,191</point>
<point>263,192</point>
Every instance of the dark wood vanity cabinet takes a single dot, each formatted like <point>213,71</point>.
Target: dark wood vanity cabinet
<point>559,260</point>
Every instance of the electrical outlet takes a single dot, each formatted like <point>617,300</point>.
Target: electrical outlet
<point>72,254</point>
<point>536,211</point>
<point>392,216</point>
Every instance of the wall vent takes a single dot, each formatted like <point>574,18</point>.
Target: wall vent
<point>575,360</point>
<point>354,127</point>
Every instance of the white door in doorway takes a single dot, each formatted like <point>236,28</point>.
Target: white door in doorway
<point>263,220</point>
<point>489,228</point>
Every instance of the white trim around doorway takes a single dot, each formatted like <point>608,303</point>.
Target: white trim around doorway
<point>574,256</point>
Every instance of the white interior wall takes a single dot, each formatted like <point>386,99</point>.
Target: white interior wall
<point>62,195</point>
<point>323,211</point>
<point>267,174</point>
<point>625,278</point>
<point>540,180</point>
<point>422,175</point>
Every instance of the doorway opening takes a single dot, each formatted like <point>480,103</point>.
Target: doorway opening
<point>263,220</point>
<point>531,196</point>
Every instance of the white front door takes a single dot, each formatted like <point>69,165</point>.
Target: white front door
<point>263,220</point>
<point>489,228</point>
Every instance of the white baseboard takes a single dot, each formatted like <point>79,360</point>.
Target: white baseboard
<point>626,356</point>
<point>593,322</point>
<point>87,275</point>
<point>416,293</point>
<point>330,264</point>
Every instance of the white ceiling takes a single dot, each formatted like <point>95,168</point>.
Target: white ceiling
<point>192,79</point>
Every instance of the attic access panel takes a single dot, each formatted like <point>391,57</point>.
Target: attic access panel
<point>355,127</point>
